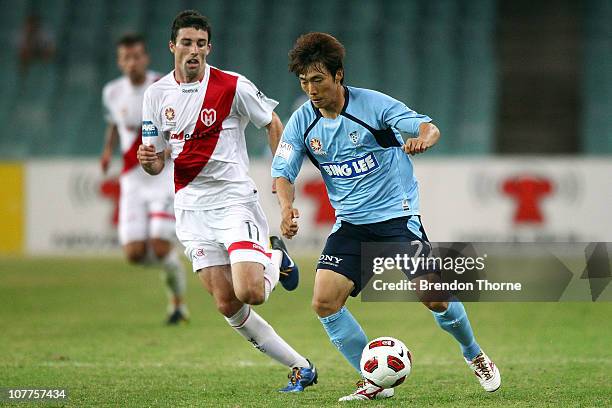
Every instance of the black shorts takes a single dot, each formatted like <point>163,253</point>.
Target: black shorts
<point>343,249</point>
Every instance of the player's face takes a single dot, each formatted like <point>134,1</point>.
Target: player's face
<point>133,61</point>
<point>190,52</point>
<point>322,87</point>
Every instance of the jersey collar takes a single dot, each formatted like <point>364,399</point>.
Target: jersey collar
<point>346,102</point>
<point>192,84</point>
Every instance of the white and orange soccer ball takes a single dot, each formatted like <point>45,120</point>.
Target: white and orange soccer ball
<point>386,362</point>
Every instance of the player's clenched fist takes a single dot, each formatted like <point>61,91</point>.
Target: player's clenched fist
<point>416,145</point>
<point>146,154</point>
<point>289,226</point>
<point>151,162</point>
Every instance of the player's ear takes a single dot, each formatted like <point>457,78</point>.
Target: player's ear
<point>339,76</point>
<point>171,46</point>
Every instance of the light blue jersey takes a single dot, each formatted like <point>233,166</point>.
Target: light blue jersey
<point>368,176</point>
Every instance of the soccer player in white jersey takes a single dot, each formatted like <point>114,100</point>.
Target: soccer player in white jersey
<point>201,113</point>
<point>146,218</point>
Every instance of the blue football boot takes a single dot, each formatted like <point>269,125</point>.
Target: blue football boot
<point>289,272</point>
<point>300,378</point>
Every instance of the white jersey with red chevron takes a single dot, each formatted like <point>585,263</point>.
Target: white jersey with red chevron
<point>123,107</point>
<point>204,124</point>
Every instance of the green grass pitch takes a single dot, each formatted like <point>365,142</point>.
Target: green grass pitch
<point>94,326</point>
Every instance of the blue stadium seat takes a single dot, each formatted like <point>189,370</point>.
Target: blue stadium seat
<point>398,49</point>
<point>360,38</point>
<point>277,82</point>
<point>475,110</point>
<point>597,79</point>
<point>445,68</point>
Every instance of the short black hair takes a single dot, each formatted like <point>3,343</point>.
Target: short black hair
<point>131,39</point>
<point>190,18</point>
<point>318,49</point>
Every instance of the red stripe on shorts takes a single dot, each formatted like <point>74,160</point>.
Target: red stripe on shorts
<point>161,215</point>
<point>248,245</point>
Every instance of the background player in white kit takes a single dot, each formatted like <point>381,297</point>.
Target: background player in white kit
<point>218,216</point>
<point>146,219</point>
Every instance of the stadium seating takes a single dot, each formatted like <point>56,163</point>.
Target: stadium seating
<point>597,83</point>
<point>445,68</point>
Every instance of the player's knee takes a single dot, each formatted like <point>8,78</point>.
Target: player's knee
<point>436,306</point>
<point>251,295</point>
<point>136,257</point>
<point>228,308</point>
<point>324,308</point>
<point>160,248</point>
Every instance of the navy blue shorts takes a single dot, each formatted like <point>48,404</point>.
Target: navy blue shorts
<point>343,249</point>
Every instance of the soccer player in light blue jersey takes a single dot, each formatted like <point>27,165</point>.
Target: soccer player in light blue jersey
<point>353,136</point>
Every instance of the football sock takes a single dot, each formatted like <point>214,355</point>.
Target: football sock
<point>256,330</point>
<point>271,276</point>
<point>346,334</point>
<point>174,274</point>
<point>455,321</point>
<point>276,257</point>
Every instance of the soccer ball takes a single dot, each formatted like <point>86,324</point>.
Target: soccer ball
<point>386,362</point>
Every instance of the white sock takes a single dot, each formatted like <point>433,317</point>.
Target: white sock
<point>174,274</point>
<point>252,327</point>
<point>271,276</point>
<point>277,257</point>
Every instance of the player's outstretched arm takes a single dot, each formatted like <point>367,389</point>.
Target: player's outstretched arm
<point>289,215</point>
<point>151,162</point>
<point>429,134</point>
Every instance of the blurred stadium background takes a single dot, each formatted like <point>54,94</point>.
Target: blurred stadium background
<point>522,93</point>
<point>521,90</point>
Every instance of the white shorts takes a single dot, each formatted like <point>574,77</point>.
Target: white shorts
<point>142,217</point>
<point>224,236</point>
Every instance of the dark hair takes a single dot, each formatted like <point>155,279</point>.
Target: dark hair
<point>131,39</point>
<point>320,49</point>
<point>190,18</point>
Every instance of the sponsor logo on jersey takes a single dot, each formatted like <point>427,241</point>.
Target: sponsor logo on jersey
<point>200,253</point>
<point>189,90</point>
<point>208,116</point>
<point>357,167</point>
<point>148,129</point>
<point>169,113</point>
<point>354,136</point>
<point>199,135</point>
<point>284,150</point>
<point>316,146</point>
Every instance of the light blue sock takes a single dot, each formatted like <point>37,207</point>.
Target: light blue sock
<point>455,321</point>
<point>346,334</point>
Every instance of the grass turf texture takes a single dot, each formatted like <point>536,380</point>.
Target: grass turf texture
<point>94,326</point>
